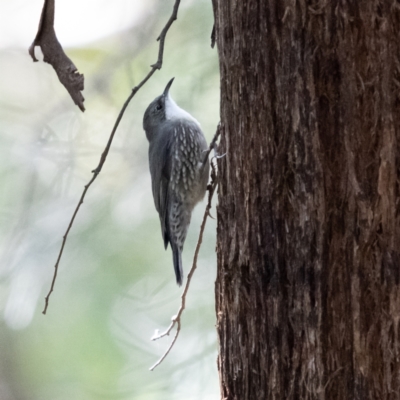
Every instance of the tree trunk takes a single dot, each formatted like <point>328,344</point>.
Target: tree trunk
<point>307,291</point>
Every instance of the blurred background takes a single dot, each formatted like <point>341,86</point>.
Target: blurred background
<point>116,284</point>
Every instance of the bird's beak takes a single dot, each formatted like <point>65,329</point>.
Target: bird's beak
<point>166,90</point>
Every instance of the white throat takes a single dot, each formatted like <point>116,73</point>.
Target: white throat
<point>173,111</point>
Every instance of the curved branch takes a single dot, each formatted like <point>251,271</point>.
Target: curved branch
<point>103,157</point>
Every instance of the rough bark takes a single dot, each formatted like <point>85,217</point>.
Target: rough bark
<point>307,291</point>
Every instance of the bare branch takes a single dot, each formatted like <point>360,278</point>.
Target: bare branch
<point>176,319</point>
<point>103,157</point>
<point>54,54</point>
<point>170,346</point>
<point>212,144</point>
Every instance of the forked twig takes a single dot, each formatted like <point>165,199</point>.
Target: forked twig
<point>103,157</point>
<point>176,319</point>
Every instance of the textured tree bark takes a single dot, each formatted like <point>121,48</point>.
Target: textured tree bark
<point>307,291</point>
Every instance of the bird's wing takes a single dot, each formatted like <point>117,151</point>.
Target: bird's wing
<point>160,170</point>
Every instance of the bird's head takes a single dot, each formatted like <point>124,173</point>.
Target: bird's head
<point>163,108</point>
<point>155,113</point>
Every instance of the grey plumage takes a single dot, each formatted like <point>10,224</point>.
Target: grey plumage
<point>179,177</point>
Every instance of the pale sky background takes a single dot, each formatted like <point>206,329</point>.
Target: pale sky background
<point>77,22</point>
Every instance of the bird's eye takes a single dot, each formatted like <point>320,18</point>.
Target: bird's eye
<point>158,107</point>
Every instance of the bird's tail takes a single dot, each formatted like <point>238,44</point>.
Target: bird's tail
<point>177,256</point>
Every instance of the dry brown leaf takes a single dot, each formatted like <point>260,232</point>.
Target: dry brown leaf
<point>53,54</point>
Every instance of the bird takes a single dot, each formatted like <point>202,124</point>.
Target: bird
<point>179,169</point>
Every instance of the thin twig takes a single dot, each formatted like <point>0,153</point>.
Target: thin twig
<point>103,157</point>
<point>178,329</point>
<point>176,319</point>
<point>212,144</point>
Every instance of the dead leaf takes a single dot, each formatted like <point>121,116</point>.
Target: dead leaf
<point>54,54</point>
